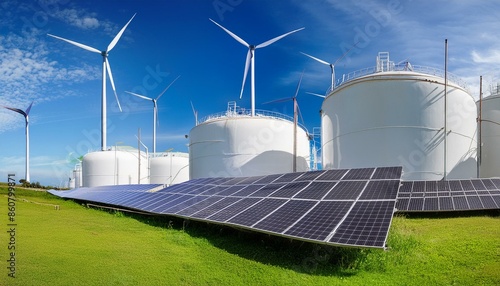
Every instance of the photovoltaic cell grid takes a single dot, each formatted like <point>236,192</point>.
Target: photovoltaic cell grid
<point>352,207</point>
<point>453,195</point>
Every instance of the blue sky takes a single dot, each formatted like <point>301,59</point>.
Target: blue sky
<point>171,38</point>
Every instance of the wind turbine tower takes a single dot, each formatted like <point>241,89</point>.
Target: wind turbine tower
<point>251,60</point>
<point>105,67</point>
<point>26,118</point>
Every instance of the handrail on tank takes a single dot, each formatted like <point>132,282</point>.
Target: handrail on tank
<point>236,111</point>
<point>405,66</point>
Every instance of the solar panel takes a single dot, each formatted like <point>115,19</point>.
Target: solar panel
<point>342,207</point>
<point>452,195</point>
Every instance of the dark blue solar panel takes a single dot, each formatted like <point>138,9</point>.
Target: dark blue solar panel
<point>467,185</point>
<point>488,202</point>
<point>309,206</point>
<point>431,204</point>
<point>366,224</point>
<point>219,206</point>
<point>248,190</point>
<point>315,190</point>
<point>445,203</point>
<point>286,178</point>
<point>346,190</point>
<point>267,190</point>
<point>406,187</point>
<point>285,216</point>
<point>402,204</point>
<point>387,173</point>
<point>332,175</point>
<point>380,190</point>
<point>320,221</point>
<point>233,209</point>
<point>460,203</point>
<point>359,174</point>
<point>256,212</point>
<point>289,190</point>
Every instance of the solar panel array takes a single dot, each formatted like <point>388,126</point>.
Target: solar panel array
<point>453,195</point>
<point>350,207</point>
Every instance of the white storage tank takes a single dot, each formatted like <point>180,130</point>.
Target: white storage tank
<point>77,176</point>
<point>169,168</point>
<point>234,144</point>
<point>490,135</point>
<point>394,116</point>
<point>118,166</point>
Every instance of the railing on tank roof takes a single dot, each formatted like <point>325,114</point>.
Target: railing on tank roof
<point>398,67</point>
<point>236,111</point>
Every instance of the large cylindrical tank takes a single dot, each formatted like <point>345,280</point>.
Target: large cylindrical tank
<point>237,145</point>
<point>114,167</point>
<point>396,118</point>
<point>490,136</point>
<point>169,168</point>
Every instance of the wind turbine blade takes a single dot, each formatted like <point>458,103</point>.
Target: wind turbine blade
<point>28,109</point>
<point>108,67</point>
<point>195,113</point>
<point>316,59</point>
<point>247,64</point>
<point>345,53</point>
<point>167,87</point>
<point>267,43</point>
<point>192,107</point>
<point>279,100</point>
<point>20,111</point>
<point>85,47</point>
<point>117,37</point>
<point>138,95</point>
<point>318,95</point>
<point>231,34</point>
<point>298,85</point>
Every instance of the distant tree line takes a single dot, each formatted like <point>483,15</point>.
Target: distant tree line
<point>36,185</point>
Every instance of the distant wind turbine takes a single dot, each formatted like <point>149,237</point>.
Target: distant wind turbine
<point>105,67</point>
<point>26,118</point>
<point>155,110</point>
<point>332,65</point>
<point>251,60</point>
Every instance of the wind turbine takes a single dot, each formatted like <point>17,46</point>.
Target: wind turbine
<point>251,60</point>
<point>296,112</point>
<point>332,65</point>
<point>26,118</point>
<point>105,67</point>
<point>155,110</point>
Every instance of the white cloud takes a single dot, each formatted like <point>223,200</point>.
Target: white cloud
<point>27,74</point>
<point>77,18</point>
<point>489,57</point>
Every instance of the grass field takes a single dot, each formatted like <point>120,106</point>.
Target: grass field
<point>76,245</point>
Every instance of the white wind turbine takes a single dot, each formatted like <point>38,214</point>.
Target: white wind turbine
<point>105,67</point>
<point>332,65</point>
<point>251,60</point>
<point>26,118</point>
<point>155,110</point>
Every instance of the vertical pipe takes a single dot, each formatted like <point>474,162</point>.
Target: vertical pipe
<point>479,121</point>
<point>445,102</point>
<point>27,171</point>
<point>103,105</point>
<point>139,157</point>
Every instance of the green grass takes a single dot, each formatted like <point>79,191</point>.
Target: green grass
<point>76,245</point>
